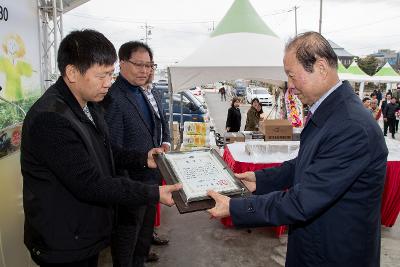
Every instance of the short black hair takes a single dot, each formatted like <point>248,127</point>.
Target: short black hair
<point>309,46</point>
<point>83,49</point>
<point>365,99</point>
<point>126,50</point>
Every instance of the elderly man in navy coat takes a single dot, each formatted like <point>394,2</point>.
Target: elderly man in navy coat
<point>334,186</point>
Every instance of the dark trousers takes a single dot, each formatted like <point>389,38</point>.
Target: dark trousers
<point>392,124</point>
<point>223,97</point>
<point>385,127</point>
<point>396,126</point>
<point>90,262</point>
<point>132,235</point>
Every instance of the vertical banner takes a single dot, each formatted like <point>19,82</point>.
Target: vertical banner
<point>20,82</point>
<point>19,58</point>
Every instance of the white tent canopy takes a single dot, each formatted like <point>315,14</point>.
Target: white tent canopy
<point>231,56</point>
<point>242,46</point>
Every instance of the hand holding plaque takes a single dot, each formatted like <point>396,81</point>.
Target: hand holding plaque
<point>249,180</point>
<point>198,171</point>
<point>166,193</point>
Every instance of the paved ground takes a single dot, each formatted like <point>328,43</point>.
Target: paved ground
<point>195,240</point>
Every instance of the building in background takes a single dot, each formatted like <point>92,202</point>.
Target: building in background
<point>387,55</point>
<point>344,56</point>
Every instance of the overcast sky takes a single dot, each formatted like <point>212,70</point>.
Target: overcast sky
<point>180,26</point>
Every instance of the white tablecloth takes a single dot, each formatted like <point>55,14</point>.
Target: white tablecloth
<point>238,152</point>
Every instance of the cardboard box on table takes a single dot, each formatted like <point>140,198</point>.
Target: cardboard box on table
<point>275,130</point>
<point>232,137</point>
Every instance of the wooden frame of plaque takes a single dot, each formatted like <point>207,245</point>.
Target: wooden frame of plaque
<point>198,171</point>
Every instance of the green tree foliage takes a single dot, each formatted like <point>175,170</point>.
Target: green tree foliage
<point>369,65</point>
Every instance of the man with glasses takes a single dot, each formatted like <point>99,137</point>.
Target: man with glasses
<point>135,119</point>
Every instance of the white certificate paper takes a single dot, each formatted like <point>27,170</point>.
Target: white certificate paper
<point>200,171</point>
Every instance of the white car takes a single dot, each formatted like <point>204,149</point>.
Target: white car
<point>261,93</point>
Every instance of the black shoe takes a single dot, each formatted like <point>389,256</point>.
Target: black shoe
<point>393,136</point>
<point>159,241</point>
<point>152,257</point>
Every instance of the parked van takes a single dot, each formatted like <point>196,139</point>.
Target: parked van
<point>239,88</point>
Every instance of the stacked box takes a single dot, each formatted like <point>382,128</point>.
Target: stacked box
<point>196,134</point>
<point>232,137</point>
<point>275,130</point>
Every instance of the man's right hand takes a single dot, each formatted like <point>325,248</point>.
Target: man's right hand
<point>166,193</point>
<point>248,179</point>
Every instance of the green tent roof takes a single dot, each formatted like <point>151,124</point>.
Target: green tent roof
<point>355,69</point>
<point>386,70</point>
<point>242,17</point>
<point>341,67</point>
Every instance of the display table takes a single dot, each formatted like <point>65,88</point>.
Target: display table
<point>390,207</point>
<point>239,161</point>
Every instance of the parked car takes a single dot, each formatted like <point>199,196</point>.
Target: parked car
<point>192,108</point>
<point>161,82</point>
<point>196,91</point>
<point>261,93</point>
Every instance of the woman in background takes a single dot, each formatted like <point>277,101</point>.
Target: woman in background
<point>234,118</point>
<point>253,115</point>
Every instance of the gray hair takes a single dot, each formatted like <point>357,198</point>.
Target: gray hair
<point>308,47</point>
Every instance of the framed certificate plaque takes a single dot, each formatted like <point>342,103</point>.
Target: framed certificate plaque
<point>198,171</point>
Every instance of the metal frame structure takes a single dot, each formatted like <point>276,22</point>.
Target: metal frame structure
<point>51,32</point>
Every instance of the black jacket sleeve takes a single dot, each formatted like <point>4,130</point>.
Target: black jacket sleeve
<point>229,118</point>
<point>62,150</point>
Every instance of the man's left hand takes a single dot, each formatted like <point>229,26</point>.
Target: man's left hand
<point>151,163</point>
<point>221,208</point>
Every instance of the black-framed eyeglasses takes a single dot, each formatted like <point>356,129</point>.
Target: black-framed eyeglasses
<point>140,65</point>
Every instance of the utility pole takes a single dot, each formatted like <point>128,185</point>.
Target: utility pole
<point>147,29</point>
<point>295,19</point>
<point>320,16</point>
<point>211,29</point>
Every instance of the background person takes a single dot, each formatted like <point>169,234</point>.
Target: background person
<point>234,118</point>
<point>376,110</point>
<point>70,185</point>
<point>333,212</point>
<point>389,115</point>
<point>222,91</point>
<point>383,106</point>
<point>253,116</point>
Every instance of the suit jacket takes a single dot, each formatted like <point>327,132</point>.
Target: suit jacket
<point>129,128</point>
<point>334,188</point>
<point>69,179</point>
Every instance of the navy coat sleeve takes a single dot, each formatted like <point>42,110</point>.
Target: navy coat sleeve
<point>341,158</point>
<point>275,179</point>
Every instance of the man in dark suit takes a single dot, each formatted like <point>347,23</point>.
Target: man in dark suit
<point>334,185</point>
<point>68,167</point>
<point>135,118</point>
